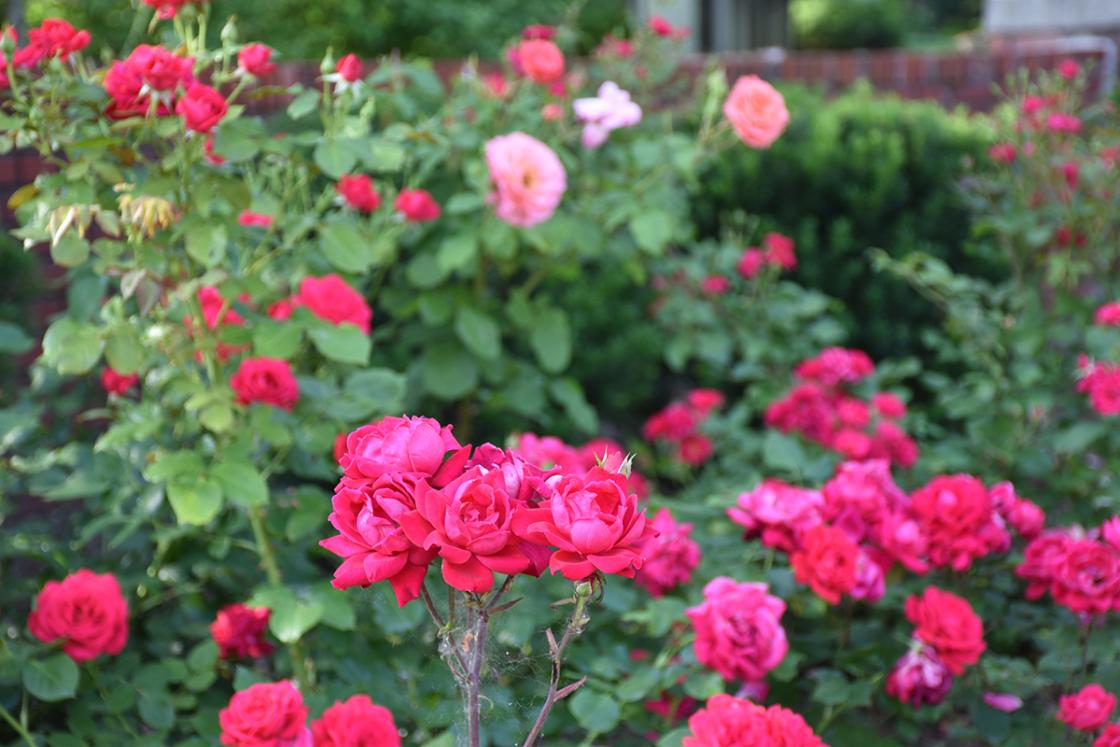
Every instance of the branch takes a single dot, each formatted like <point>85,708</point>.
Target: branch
<point>574,627</point>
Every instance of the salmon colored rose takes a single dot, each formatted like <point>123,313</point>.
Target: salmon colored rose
<point>756,111</point>
<point>540,60</point>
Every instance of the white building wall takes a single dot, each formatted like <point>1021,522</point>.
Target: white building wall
<point>1014,16</point>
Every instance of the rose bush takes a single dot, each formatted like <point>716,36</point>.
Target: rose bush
<point>238,532</point>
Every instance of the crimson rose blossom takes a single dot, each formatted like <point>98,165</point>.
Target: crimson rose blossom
<point>594,522</point>
<point>239,631</point>
<point>86,611</point>
<point>55,38</point>
<point>1108,315</point>
<point>947,623</point>
<point>167,9</point>
<point>919,678</point>
<point>117,383</point>
<point>268,714</point>
<point>333,300</point>
<point>778,512</point>
<point>267,380</point>
<point>469,522</point>
<point>256,60</point>
<point>956,513</point>
<point>357,191</point>
<point>1087,577</point>
<point>1110,737</point>
<point>756,111</point>
<point>670,556</point>
<point>356,722</point>
<point>371,541</point>
<point>738,629</point>
<point>1087,710</point>
<point>201,108</point>
<point>349,68</point>
<point>250,219</point>
<point>826,561</point>
<point>409,444</point>
<point>417,205</point>
<point>726,721</point>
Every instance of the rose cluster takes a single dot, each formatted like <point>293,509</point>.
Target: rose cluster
<point>776,251</point>
<point>273,713</point>
<point>153,81</point>
<point>679,424</point>
<point>410,492</point>
<point>843,538</point>
<point>53,38</point>
<point>1080,569</point>
<point>822,408</point>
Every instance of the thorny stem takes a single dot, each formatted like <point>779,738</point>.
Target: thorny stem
<point>446,633</point>
<point>576,623</point>
<point>272,571</point>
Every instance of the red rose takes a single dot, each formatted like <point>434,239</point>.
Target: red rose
<point>160,69</point>
<point>1087,579</point>
<point>593,521</point>
<point>947,622</point>
<point>281,311</point>
<point>694,449</point>
<point>239,631</point>
<point>541,60</point>
<point>834,366</point>
<point>267,380</point>
<point>350,68</point>
<point>117,383</point>
<point>356,722</point>
<point>1110,737</point>
<point>470,524</point>
<point>1042,560</point>
<point>268,714</point>
<point>672,424</point>
<point>704,401</point>
<point>1087,710</point>
<point>125,87</point>
<point>409,444</point>
<point>249,219</point>
<point>660,26</point>
<point>738,629</point>
<point>826,561</point>
<point>371,541</point>
<point>331,299</point>
<point>956,513</point>
<point>919,678</point>
<point>779,250</point>
<point>358,192</point>
<point>201,108</point>
<point>86,611</point>
<point>1004,153</point>
<point>726,721</point>
<point>256,60</point>
<point>715,285</point>
<point>888,405</point>
<point>670,556</point>
<point>167,9</point>
<point>751,262</point>
<point>57,38</point>
<point>538,31</point>
<point>417,205</point>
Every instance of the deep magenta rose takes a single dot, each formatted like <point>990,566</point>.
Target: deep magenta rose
<point>407,444</point>
<point>738,629</point>
<point>85,611</point>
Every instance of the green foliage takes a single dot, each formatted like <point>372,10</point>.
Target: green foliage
<point>858,172</point>
<point>848,24</point>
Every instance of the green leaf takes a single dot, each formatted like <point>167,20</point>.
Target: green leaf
<point>123,351</point>
<point>703,686</point>
<point>241,483</point>
<point>277,339</point>
<point>674,738</point>
<point>52,679</point>
<point>637,686</point>
<point>203,656</point>
<point>337,611</point>
<point>448,371</point>
<point>13,340</point>
<point>344,343</point>
<point>653,230</point>
<point>239,139</point>
<point>334,158</point>
<point>551,340</point>
<point>424,271</point>
<point>570,396</point>
<point>594,711</point>
<point>374,391</point>
<point>478,332</point>
<point>156,710</point>
<point>71,251</point>
<point>458,251</point>
<point>385,155</point>
<point>303,104</point>
<point>206,243</point>
<point>782,452</point>
<point>832,688</point>
<point>71,347</point>
<point>344,247</point>
<point>195,502</point>
<point>292,615</point>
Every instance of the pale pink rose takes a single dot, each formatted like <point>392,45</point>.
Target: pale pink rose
<point>1005,702</point>
<point>757,111</point>
<point>610,110</point>
<point>528,178</point>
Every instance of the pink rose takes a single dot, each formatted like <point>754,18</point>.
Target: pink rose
<point>593,521</point>
<point>201,108</point>
<point>417,206</point>
<point>670,555</point>
<point>1005,702</point>
<point>256,60</point>
<point>409,444</point>
<point>1087,710</point>
<point>356,722</point>
<point>349,68</point>
<point>85,612</point>
<point>529,180</point>
<point>919,677</point>
<point>540,60</point>
<point>267,380</point>
<point>469,522</point>
<point>268,714</point>
<point>333,300</point>
<point>249,219</point>
<point>726,721</point>
<point>779,512</point>
<point>751,262</point>
<point>756,111</point>
<point>738,629</point>
<point>357,191</point>
<point>239,631</point>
